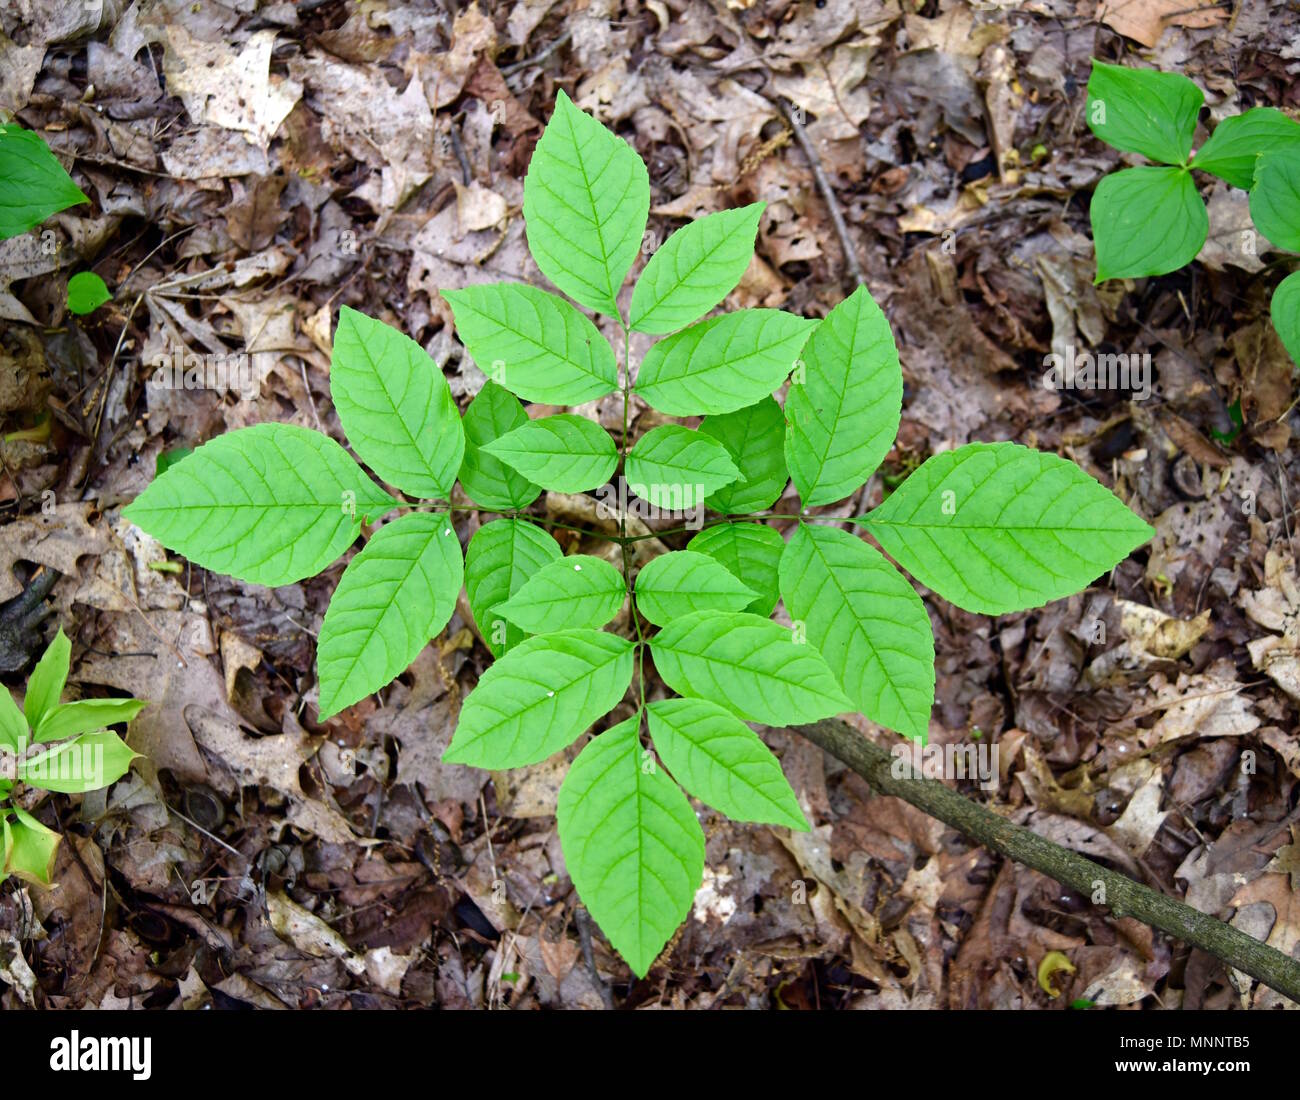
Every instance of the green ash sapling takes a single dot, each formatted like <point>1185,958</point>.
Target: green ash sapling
<point>1151,220</point>
<point>992,527</point>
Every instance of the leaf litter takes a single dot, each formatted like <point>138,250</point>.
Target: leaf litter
<point>252,171</point>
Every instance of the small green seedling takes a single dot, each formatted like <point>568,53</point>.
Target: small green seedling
<point>1151,220</point>
<point>993,527</point>
<point>86,293</point>
<point>33,184</point>
<point>55,746</point>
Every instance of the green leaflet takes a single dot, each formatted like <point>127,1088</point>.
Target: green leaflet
<point>1146,221</point>
<point>13,723</point>
<point>586,201</point>
<point>631,844</point>
<point>1275,199</point>
<point>867,621</point>
<point>86,293</point>
<point>565,453</point>
<point>754,438</point>
<point>754,666</point>
<point>1143,111</point>
<point>85,763</point>
<point>1237,142</point>
<point>722,364</point>
<point>534,343</point>
<point>569,594</point>
<point>395,595</point>
<point>33,184</point>
<point>45,685</point>
<point>540,697</point>
<point>996,527</point>
<point>751,552</point>
<point>30,847</point>
<point>676,468</point>
<point>1285,312</point>
<point>85,716</point>
<point>500,557</point>
<point>395,406</point>
<point>721,761</point>
<point>683,581</point>
<point>842,418</point>
<point>488,481</point>
<point>269,504</point>
<point>694,270</point>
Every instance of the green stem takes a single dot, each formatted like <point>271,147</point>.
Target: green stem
<point>734,517</point>
<point>623,540</point>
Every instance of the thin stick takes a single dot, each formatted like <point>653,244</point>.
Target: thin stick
<point>537,58</point>
<point>583,922</point>
<point>828,193</point>
<point>1124,897</point>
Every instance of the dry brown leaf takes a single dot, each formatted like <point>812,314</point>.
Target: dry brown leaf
<point>1202,705</point>
<point>1287,860</point>
<point>1145,21</point>
<point>233,90</point>
<point>308,933</point>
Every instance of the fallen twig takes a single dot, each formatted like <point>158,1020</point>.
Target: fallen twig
<point>828,193</point>
<point>1124,897</point>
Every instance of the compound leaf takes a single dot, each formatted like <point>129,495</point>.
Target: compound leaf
<point>488,481</point>
<point>45,685</point>
<point>1237,142</point>
<point>395,406</point>
<point>722,364</point>
<point>682,581</point>
<point>85,763</point>
<point>751,552</point>
<point>572,593</point>
<point>269,504</point>
<point>1285,312</point>
<point>33,184</point>
<point>501,556</point>
<point>721,761</point>
<point>676,468</point>
<point>395,595</point>
<point>1275,199</point>
<point>586,201</point>
<point>631,844</point>
<point>1146,221</point>
<point>754,438</point>
<point>867,621</point>
<point>694,269</point>
<point>534,343</point>
<point>997,527</point>
<point>1143,111</point>
<point>85,716</point>
<point>540,697</point>
<point>754,666</point>
<point>566,452</point>
<point>842,418</point>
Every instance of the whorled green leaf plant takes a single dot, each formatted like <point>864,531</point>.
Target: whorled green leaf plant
<point>55,746</point>
<point>993,527</point>
<point>1150,220</point>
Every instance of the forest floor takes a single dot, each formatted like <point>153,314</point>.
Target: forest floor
<point>254,166</point>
